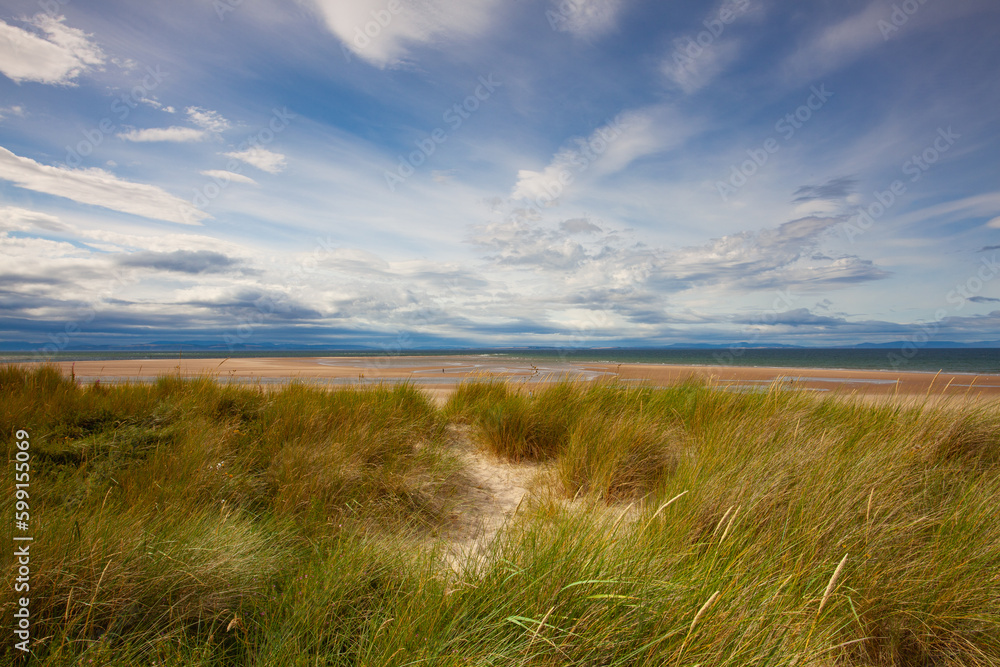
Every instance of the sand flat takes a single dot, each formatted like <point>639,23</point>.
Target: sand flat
<point>820,379</point>
<point>440,374</point>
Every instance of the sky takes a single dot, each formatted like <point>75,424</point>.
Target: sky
<point>571,173</point>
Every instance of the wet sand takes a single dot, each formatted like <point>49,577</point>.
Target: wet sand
<point>440,375</point>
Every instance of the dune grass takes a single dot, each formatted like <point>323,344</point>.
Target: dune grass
<point>185,523</point>
<point>512,422</point>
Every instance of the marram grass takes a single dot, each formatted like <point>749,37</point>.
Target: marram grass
<point>186,523</point>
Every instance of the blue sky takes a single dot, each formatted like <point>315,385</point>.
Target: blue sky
<point>398,173</point>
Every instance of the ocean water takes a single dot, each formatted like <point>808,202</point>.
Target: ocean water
<point>955,360</point>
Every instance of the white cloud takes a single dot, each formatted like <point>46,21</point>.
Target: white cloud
<point>208,119</point>
<point>14,110</point>
<point>609,149</point>
<point>443,175</point>
<point>579,226</point>
<point>839,44</point>
<point>133,239</point>
<point>228,176</point>
<point>985,204</point>
<point>584,18</point>
<point>375,33</point>
<point>58,57</point>
<point>518,243</point>
<point>14,219</point>
<point>173,133</point>
<point>99,188</point>
<point>608,269</point>
<point>692,74</point>
<point>994,223</point>
<point>261,158</point>
<point>771,258</point>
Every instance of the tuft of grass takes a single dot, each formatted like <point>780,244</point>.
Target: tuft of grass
<point>514,423</point>
<point>517,430</point>
<point>471,398</point>
<point>616,458</point>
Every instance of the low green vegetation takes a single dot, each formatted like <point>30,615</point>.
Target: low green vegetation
<point>188,523</point>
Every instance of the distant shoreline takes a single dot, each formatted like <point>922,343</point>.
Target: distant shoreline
<point>951,360</point>
<point>439,375</point>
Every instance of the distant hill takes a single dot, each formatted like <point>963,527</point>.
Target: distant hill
<point>452,346</point>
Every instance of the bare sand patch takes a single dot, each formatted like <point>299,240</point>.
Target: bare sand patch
<point>821,380</point>
<point>495,490</point>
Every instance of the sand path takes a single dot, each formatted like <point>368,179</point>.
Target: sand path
<point>496,489</point>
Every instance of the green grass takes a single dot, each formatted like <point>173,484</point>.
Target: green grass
<point>514,423</point>
<point>185,523</point>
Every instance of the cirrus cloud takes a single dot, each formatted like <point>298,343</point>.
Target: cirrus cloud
<point>261,158</point>
<point>584,18</point>
<point>401,25</point>
<point>227,176</point>
<point>208,119</point>
<point>58,56</point>
<point>173,133</point>
<point>99,188</point>
<point>15,219</point>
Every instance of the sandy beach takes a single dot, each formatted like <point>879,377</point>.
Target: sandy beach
<point>440,374</point>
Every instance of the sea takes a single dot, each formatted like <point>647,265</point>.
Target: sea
<point>904,358</point>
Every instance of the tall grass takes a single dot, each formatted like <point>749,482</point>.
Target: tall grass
<point>159,510</point>
<point>772,491</point>
<point>512,422</point>
<point>617,457</point>
<point>185,523</point>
